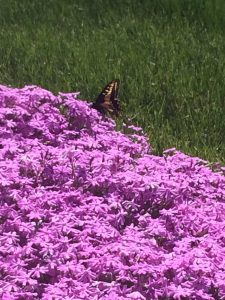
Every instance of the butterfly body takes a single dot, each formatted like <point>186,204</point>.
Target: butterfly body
<point>108,100</point>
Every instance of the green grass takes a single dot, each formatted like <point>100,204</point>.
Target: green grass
<point>169,55</point>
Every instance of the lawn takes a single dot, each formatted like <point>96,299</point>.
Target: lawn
<point>169,56</point>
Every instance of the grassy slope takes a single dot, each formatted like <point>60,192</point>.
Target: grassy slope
<point>169,55</point>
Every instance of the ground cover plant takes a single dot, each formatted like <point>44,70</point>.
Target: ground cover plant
<point>169,56</point>
<point>88,212</point>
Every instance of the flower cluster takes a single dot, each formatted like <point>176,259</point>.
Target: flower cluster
<point>87,212</point>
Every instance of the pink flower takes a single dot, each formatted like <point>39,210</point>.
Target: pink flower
<point>88,213</point>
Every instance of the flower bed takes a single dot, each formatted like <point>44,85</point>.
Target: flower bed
<point>88,213</point>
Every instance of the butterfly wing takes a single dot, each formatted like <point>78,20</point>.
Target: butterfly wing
<point>108,100</point>
<point>115,99</point>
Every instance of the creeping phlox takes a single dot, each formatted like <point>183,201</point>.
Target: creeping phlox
<point>88,212</point>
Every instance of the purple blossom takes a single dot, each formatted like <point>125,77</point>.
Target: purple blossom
<point>88,212</point>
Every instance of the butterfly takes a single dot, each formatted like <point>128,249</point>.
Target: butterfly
<point>108,100</point>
